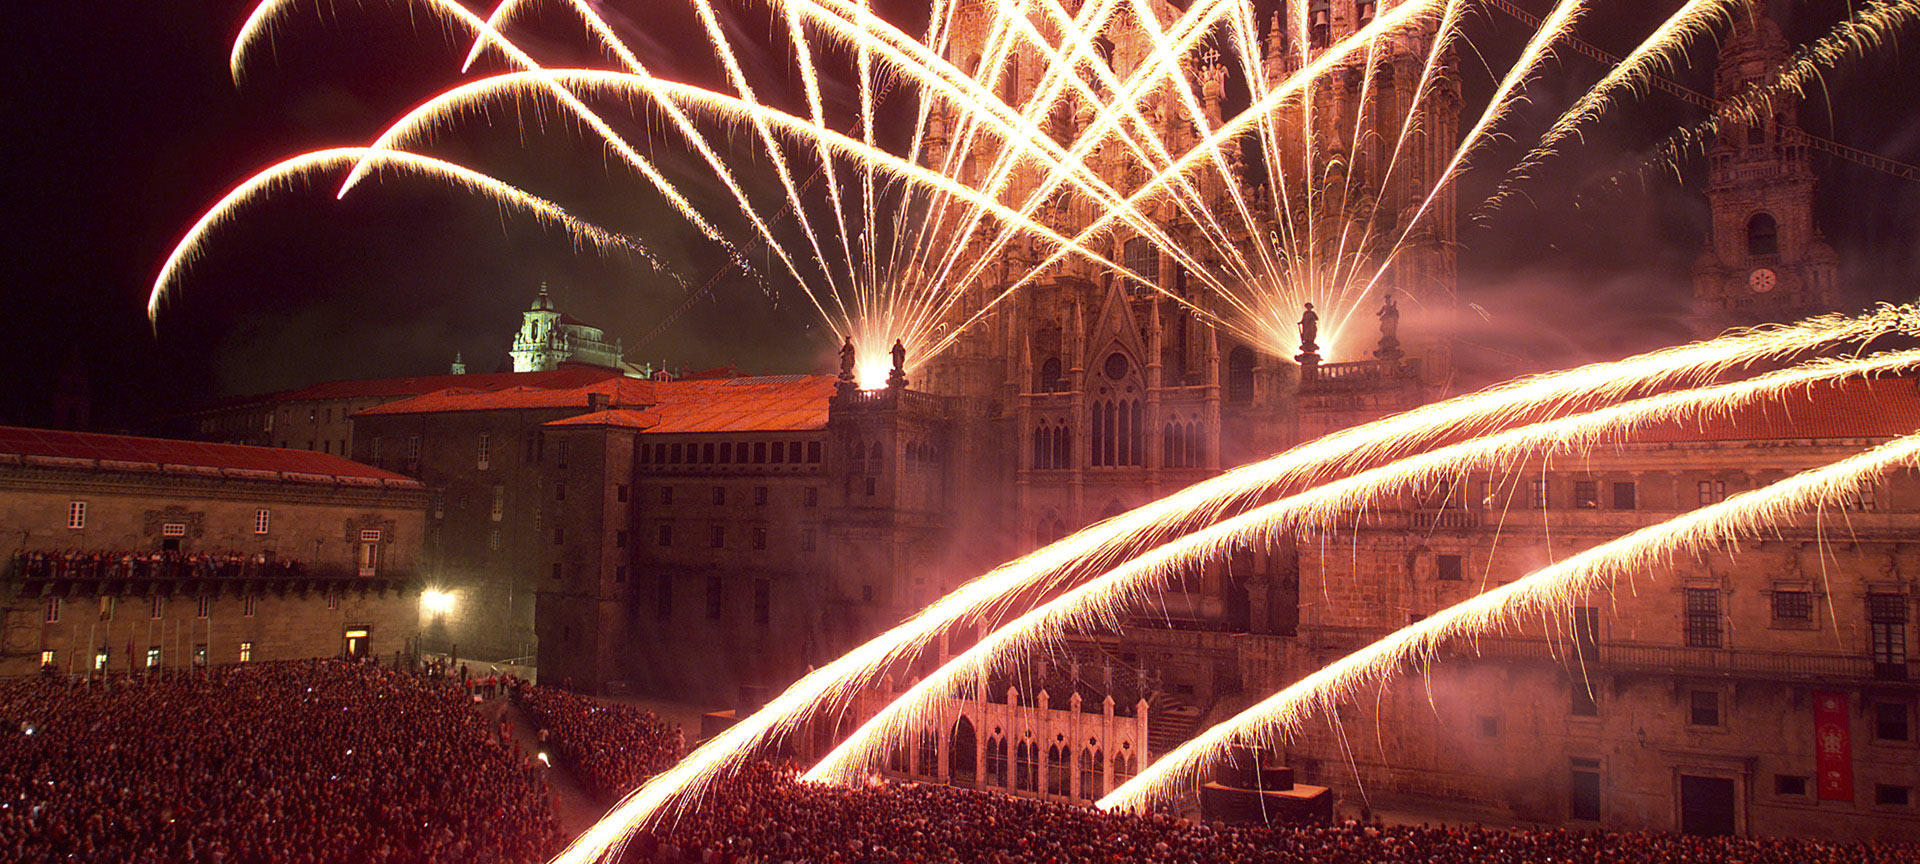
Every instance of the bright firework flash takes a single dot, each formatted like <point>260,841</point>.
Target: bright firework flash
<point>1709,528</point>
<point>1105,601</point>
<point>824,692</point>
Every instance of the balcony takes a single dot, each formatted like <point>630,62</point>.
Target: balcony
<point>122,572</point>
<point>1809,668</point>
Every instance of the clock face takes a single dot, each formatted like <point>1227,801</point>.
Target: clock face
<point>1762,280</point>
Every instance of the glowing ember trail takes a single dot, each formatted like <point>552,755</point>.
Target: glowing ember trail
<point>826,690</point>
<point>1105,601</point>
<point>1644,551</point>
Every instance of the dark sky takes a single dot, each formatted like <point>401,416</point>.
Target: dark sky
<point>125,125</point>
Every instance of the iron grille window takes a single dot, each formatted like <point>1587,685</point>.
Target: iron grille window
<point>1887,620</point>
<point>1537,494</point>
<point>1586,494</point>
<point>1794,606</point>
<point>1703,618</point>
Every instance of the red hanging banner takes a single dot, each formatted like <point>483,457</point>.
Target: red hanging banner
<point>1833,742</point>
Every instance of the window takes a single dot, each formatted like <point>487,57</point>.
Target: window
<point>1890,722</point>
<point>1139,255</point>
<point>157,607</point>
<point>248,605</point>
<point>666,535</point>
<point>559,535</point>
<point>559,491</point>
<point>499,511</point>
<point>810,497</point>
<point>1051,379</point>
<point>666,495</point>
<point>1887,624</point>
<point>1450,569</point>
<point>620,539</point>
<point>1118,433</point>
<point>870,487</point>
<point>262,520</point>
<point>555,571</point>
<point>1586,494</point>
<point>101,657</point>
<point>106,608</point>
<point>716,597</point>
<point>1795,607</point>
<point>1790,785</point>
<point>759,537</point>
<point>333,600</point>
<point>49,658</point>
<point>1583,791</point>
<point>246,652</point>
<point>759,496</point>
<point>719,495</point>
<point>560,449</point>
<point>76,514</point>
<point>1891,796</point>
<point>759,452</point>
<point>1537,494</point>
<point>808,540</point>
<point>1703,618</point>
<point>1623,496</point>
<point>173,529</point>
<point>53,610</point>
<point>620,573</point>
<point>413,451</point>
<point>673,453</point>
<point>493,538</point>
<point>762,601</point>
<point>1712,491</point>
<point>1240,375</point>
<point>531,446</point>
<point>481,452</point>
<point>663,597</point>
<point>717,537</point>
<point>1584,704</point>
<point>813,453</point>
<point>1586,629</point>
<point>203,605</point>
<point>153,657</point>
<point>620,493</point>
<point>1763,235</point>
<point>1703,708</point>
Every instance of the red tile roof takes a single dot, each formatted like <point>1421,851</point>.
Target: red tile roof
<point>775,403</point>
<point>89,451</point>
<point>1859,408</point>
<point>565,377</point>
<point>621,391</point>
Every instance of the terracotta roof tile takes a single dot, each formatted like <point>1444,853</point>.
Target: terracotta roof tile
<point>775,403</point>
<point>623,391</point>
<point>86,450</point>
<point>1859,408</point>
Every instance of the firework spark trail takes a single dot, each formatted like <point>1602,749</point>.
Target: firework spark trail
<point>1105,600</point>
<point>1643,551</point>
<point>288,172</point>
<point>822,691</point>
<point>1653,56</point>
<point>1383,23</point>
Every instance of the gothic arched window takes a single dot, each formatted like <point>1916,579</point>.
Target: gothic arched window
<point>1051,381</point>
<point>1763,235</point>
<point>1140,256</point>
<point>1240,375</point>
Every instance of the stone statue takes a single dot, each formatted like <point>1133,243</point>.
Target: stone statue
<point>897,379</point>
<point>1310,331</point>
<point>846,360</point>
<point>1389,330</point>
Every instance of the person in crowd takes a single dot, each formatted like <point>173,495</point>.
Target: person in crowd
<point>611,748</point>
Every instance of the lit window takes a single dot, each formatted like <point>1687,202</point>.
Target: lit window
<point>247,607</point>
<point>76,514</point>
<point>153,657</point>
<point>499,503</point>
<point>53,610</point>
<point>49,658</point>
<point>200,654</point>
<point>173,529</point>
<point>493,539</point>
<point>482,455</point>
<point>100,658</point>
<point>262,520</point>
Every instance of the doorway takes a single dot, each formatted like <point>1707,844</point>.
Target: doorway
<point>1706,805</point>
<point>359,643</point>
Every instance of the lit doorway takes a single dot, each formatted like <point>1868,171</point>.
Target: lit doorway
<point>359,643</point>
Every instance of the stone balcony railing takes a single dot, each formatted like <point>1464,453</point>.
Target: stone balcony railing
<point>1795,666</point>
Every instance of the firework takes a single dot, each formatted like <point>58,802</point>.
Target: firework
<point>1643,551</point>
<point>1105,600</point>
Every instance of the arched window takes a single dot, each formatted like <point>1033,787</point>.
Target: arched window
<point>1059,770</point>
<point>1122,765</point>
<point>873,457</point>
<point>1140,256</point>
<point>997,762</point>
<point>1043,447</point>
<point>1062,446</point>
<point>929,753</point>
<point>1051,379</point>
<point>1010,83</point>
<point>1092,766</point>
<point>1026,767</point>
<point>1763,235</point>
<point>960,752</point>
<point>859,453</point>
<point>1240,375</point>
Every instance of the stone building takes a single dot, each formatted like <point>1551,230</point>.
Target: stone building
<point>128,553</point>
<point>1767,690</point>
<point>549,338</point>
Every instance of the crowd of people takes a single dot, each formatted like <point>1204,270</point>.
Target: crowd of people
<point>609,747</point>
<point>152,564</point>
<point>763,814</point>
<point>307,762</point>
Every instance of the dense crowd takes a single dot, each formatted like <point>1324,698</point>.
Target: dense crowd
<point>764,815</point>
<point>151,564</point>
<point>610,748</point>
<point>307,762</point>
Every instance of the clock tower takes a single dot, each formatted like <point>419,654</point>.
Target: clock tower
<point>1764,260</point>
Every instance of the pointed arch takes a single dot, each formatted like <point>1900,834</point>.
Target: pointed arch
<point>961,767</point>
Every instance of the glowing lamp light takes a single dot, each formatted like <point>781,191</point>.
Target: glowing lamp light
<point>436,601</point>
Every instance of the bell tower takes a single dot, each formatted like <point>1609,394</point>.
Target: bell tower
<point>1764,259</point>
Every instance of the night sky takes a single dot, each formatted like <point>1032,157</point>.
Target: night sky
<point>125,126</point>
